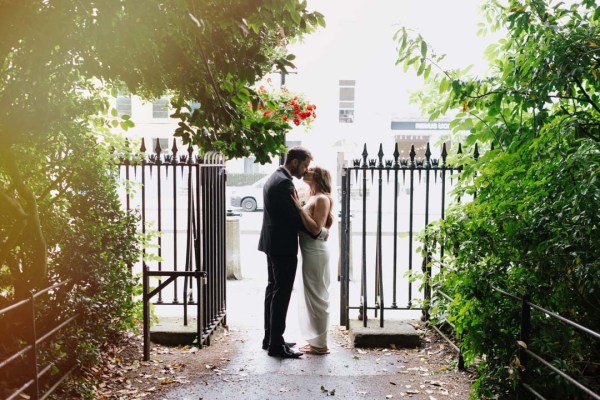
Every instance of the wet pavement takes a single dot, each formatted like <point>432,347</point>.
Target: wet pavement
<point>345,373</point>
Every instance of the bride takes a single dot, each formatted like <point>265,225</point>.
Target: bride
<point>314,305</point>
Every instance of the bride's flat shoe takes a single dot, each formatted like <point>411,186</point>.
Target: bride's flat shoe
<point>308,349</point>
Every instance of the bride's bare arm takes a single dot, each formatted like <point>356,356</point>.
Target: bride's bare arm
<point>314,223</point>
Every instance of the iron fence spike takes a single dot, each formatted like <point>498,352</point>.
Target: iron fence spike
<point>444,154</point>
<point>190,151</point>
<point>157,151</point>
<point>174,150</point>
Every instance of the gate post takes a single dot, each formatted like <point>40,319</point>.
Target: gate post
<point>35,389</point>
<point>146,311</point>
<point>345,251</point>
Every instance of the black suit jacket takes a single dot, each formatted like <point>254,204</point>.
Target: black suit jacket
<point>281,219</point>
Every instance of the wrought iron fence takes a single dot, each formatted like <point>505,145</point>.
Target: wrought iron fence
<point>526,354</point>
<point>33,380</point>
<point>181,200</point>
<point>391,213</point>
<point>425,183</point>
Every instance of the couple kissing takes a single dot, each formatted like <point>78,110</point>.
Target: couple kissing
<point>287,224</point>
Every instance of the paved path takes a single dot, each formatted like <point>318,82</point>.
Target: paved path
<point>346,373</point>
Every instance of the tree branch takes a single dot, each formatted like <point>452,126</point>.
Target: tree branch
<point>13,205</point>
<point>11,241</point>
<point>36,239</point>
<point>586,95</point>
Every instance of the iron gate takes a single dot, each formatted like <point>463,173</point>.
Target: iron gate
<point>181,200</point>
<point>416,195</point>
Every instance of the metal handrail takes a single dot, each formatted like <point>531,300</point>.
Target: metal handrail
<point>551,314</point>
<point>525,351</point>
<point>31,348</point>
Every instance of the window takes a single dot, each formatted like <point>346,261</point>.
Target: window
<point>160,108</point>
<point>346,114</point>
<point>164,144</point>
<point>123,103</point>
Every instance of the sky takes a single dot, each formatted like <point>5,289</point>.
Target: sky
<point>359,36</point>
<point>357,44</point>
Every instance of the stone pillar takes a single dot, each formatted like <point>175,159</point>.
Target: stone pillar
<point>232,248</point>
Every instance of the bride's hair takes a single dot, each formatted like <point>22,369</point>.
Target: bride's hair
<point>322,184</point>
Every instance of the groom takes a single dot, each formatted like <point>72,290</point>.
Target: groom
<point>279,240</point>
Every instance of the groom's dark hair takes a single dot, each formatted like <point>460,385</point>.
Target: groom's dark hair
<point>297,153</point>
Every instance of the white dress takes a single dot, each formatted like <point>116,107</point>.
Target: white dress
<point>314,304</point>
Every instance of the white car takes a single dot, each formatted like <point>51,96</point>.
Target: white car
<point>250,198</point>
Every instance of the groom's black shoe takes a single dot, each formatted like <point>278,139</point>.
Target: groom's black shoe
<point>283,351</point>
<point>265,346</point>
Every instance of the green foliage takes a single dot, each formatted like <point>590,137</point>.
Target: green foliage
<point>88,237</point>
<point>533,227</point>
<point>59,212</point>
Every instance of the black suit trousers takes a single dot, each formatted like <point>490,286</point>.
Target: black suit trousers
<point>282,273</point>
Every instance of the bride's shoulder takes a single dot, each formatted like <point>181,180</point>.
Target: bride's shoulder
<point>321,198</point>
